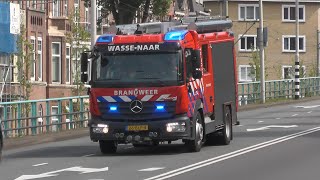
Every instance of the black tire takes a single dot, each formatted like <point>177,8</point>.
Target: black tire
<point>226,133</point>
<point>108,147</point>
<point>196,144</point>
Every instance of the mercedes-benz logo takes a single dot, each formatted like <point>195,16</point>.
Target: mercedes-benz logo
<point>136,106</point>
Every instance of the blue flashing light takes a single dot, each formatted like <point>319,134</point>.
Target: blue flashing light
<point>105,38</point>
<point>175,35</point>
<point>160,107</point>
<point>113,108</point>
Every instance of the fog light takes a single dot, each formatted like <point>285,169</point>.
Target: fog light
<point>100,128</point>
<point>176,127</point>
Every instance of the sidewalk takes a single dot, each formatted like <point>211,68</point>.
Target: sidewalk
<point>19,142</point>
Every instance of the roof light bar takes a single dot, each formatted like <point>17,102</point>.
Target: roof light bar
<point>175,35</point>
<point>105,38</point>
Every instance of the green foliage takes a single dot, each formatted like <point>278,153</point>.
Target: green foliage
<point>161,7</point>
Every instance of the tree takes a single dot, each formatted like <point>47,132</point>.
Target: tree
<point>124,11</point>
<point>161,7</point>
<point>77,38</point>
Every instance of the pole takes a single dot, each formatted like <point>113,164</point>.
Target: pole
<point>261,50</point>
<point>297,62</point>
<point>93,22</point>
<point>318,54</point>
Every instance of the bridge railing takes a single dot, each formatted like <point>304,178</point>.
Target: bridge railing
<point>34,117</point>
<point>249,92</point>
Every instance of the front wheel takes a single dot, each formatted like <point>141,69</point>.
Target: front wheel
<point>107,147</point>
<point>196,144</point>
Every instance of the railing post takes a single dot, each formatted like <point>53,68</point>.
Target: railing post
<point>81,111</point>
<point>5,121</point>
<point>59,115</point>
<point>47,116</point>
<point>19,109</point>
<point>71,114</point>
<point>33,118</point>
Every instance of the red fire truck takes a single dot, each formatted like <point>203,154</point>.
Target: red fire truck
<point>163,82</point>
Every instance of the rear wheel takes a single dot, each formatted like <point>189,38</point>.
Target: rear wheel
<point>107,147</point>
<point>196,144</point>
<point>226,134</point>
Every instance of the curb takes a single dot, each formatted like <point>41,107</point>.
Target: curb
<point>19,142</point>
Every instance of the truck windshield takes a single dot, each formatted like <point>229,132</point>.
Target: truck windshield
<point>151,68</point>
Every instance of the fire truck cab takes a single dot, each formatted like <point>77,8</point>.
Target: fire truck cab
<point>163,82</point>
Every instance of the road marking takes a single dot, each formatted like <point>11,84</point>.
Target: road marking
<point>240,125</point>
<point>278,118</point>
<point>271,126</point>
<point>214,160</point>
<point>79,169</point>
<point>309,112</point>
<point>151,169</point>
<point>88,155</point>
<point>39,164</point>
<point>260,121</point>
<point>295,115</point>
<point>308,107</point>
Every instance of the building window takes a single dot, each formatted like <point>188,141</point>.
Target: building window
<point>54,117</point>
<point>42,3</point>
<point>249,12</point>
<point>33,60</point>
<point>39,58</point>
<point>56,8</point>
<point>248,43</point>
<point>289,71</point>
<point>56,61</point>
<point>245,73</point>
<point>205,57</point>
<point>68,61</point>
<point>66,8</point>
<point>289,13</point>
<point>289,43</point>
<point>76,67</point>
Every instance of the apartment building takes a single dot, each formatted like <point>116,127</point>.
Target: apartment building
<point>47,24</point>
<point>279,18</point>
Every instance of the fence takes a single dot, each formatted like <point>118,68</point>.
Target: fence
<point>249,93</point>
<point>34,117</point>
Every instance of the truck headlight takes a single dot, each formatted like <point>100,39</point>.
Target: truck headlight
<point>100,128</point>
<point>176,127</point>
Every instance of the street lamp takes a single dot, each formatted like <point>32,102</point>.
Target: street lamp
<point>261,53</point>
<point>297,61</point>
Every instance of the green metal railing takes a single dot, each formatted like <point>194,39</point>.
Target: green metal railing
<point>249,93</point>
<point>34,117</point>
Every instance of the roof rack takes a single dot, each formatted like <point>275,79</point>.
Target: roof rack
<point>202,24</point>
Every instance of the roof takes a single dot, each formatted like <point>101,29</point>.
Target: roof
<point>280,1</point>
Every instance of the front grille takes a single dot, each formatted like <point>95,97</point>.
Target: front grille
<point>148,112</point>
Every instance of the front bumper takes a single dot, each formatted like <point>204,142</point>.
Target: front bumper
<point>157,130</point>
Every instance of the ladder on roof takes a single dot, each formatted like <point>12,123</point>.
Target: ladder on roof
<point>201,24</point>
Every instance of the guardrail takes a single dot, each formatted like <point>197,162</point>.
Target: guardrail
<point>249,93</point>
<point>34,117</point>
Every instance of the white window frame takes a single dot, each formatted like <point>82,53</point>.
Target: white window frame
<point>54,118</point>
<point>293,36</point>
<point>56,55</point>
<point>290,6</point>
<point>68,58</point>
<point>246,42</point>
<point>56,8</point>
<point>40,61</point>
<point>293,68</point>
<point>65,6</point>
<point>247,77</point>
<point>245,12</point>
<point>32,77</point>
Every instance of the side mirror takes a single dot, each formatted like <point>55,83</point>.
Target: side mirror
<point>84,67</point>
<point>196,64</point>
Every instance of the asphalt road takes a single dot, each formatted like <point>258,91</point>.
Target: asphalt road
<point>280,142</point>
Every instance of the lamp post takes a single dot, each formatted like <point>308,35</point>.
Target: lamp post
<point>261,53</point>
<point>297,61</point>
<point>93,22</point>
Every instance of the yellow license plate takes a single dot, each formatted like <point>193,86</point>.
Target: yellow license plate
<point>138,128</point>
